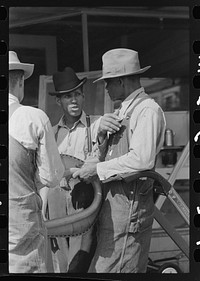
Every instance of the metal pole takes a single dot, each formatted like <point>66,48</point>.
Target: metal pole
<point>85,42</point>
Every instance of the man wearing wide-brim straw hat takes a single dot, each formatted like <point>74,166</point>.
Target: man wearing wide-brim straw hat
<point>34,162</point>
<point>133,138</point>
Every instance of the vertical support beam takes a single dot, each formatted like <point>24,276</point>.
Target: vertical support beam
<point>85,42</point>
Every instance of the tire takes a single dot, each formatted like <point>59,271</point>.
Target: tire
<point>169,268</point>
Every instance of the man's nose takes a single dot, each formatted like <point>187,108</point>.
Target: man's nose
<point>74,98</point>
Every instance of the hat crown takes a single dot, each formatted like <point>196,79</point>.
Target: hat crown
<point>13,58</point>
<point>66,81</point>
<point>120,61</point>
<point>15,64</point>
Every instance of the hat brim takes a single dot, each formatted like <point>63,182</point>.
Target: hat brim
<point>28,68</point>
<point>125,74</point>
<point>59,93</point>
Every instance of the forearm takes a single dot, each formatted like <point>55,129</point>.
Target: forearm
<point>127,163</point>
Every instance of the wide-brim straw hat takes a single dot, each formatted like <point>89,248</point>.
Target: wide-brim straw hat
<point>66,82</point>
<point>15,64</point>
<point>120,62</point>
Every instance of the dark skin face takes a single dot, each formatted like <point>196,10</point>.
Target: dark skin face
<point>72,105</point>
<point>115,89</point>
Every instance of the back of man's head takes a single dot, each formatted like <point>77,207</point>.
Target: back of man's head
<point>15,76</point>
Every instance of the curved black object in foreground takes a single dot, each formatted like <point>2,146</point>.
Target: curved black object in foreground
<point>78,223</point>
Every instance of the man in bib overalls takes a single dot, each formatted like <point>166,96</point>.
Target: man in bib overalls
<point>130,144</point>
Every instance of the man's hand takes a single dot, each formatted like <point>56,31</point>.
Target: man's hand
<point>68,172</point>
<point>110,122</point>
<point>91,159</point>
<point>87,172</point>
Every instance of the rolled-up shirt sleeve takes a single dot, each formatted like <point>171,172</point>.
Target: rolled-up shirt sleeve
<point>146,139</point>
<point>50,168</point>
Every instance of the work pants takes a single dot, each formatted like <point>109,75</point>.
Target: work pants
<point>124,228</point>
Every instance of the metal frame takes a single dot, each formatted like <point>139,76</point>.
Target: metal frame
<point>173,196</point>
<point>166,188</point>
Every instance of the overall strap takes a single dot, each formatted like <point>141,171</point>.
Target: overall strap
<point>128,116</point>
<point>89,134</point>
<point>88,129</point>
<point>139,101</point>
<point>118,143</point>
<point>56,133</point>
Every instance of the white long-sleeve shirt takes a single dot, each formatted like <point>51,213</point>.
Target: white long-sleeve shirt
<point>146,136</point>
<point>31,127</point>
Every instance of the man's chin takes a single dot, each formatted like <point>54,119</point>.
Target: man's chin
<point>75,113</point>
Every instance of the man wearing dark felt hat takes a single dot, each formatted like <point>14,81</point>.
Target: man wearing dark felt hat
<point>76,135</point>
<point>66,82</point>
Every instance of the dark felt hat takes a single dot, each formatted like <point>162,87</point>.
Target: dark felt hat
<point>66,82</point>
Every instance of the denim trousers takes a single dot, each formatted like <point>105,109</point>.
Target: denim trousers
<point>124,228</point>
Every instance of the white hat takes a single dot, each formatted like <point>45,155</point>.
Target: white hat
<point>121,62</point>
<point>15,64</point>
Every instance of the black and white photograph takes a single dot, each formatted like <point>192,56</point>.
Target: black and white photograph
<point>99,170</point>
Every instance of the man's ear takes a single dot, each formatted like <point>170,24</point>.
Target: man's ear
<point>58,101</point>
<point>21,82</point>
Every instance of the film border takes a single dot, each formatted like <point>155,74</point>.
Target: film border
<point>3,141</point>
<point>194,130</point>
<point>194,162</point>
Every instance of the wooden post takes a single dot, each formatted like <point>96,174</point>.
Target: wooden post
<point>85,42</point>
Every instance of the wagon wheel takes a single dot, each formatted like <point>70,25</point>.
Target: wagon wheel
<point>169,268</point>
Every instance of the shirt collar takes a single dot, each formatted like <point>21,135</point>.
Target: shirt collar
<point>82,120</point>
<point>133,95</point>
<point>127,102</point>
<point>13,99</point>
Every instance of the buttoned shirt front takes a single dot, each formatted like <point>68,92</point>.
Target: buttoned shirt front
<point>31,127</point>
<point>74,141</point>
<point>146,136</point>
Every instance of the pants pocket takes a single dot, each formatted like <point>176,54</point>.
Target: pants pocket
<point>141,224</point>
